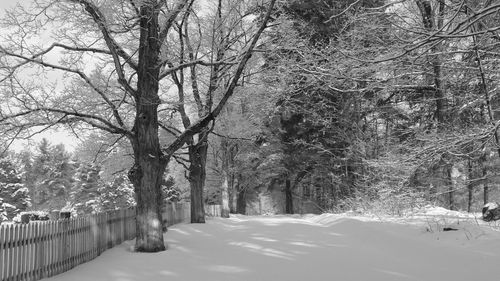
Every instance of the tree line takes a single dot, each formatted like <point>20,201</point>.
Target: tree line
<point>375,104</point>
<point>49,178</point>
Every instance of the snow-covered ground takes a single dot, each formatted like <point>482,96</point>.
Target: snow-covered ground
<point>306,248</point>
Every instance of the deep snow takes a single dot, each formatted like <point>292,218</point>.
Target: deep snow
<point>306,248</point>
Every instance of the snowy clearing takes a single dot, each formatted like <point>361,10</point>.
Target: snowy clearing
<point>324,247</point>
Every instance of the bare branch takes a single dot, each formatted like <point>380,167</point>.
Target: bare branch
<point>77,72</point>
<point>205,121</point>
<point>70,117</point>
<point>231,138</point>
<point>171,130</point>
<point>173,68</point>
<point>343,12</point>
<point>171,18</point>
<point>193,71</point>
<point>115,49</point>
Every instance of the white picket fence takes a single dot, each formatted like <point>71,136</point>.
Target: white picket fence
<point>42,249</point>
<point>174,213</point>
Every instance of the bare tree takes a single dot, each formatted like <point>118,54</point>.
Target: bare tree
<point>226,32</point>
<point>116,55</point>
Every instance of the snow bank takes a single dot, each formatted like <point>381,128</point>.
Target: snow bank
<point>307,248</point>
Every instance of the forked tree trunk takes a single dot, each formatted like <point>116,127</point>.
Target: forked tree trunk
<point>197,175</point>
<point>149,166</point>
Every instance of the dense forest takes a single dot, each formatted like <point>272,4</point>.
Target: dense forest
<point>288,106</point>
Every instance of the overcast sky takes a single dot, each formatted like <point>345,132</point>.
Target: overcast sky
<point>8,3</point>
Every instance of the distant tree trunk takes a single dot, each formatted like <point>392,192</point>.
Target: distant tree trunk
<point>484,175</point>
<point>233,197</point>
<point>241,202</point>
<point>469,186</point>
<point>197,175</point>
<point>225,196</point>
<point>436,64</point>
<point>433,24</point>
<point>484,83</point>
<point>451,197</point>
<point>334,192</point>
<point>229,151</point>
<point>486,192</point>
<point>288,197</point>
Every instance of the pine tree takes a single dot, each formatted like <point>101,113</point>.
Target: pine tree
<point>85,190</point>
<point>14,196</point>
<point>51,176</point>
<point>118,194</point>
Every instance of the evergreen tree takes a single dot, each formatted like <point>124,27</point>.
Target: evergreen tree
<point>85,190</point>
<point>171,192</point>
<point>118,194</point>
<point>51,176</point>
<point>14,196</point>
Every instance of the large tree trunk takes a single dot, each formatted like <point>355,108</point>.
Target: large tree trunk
<point>197,174</point>
<point>149,166</point>
<point>146,177</point>
<point>288,197</point>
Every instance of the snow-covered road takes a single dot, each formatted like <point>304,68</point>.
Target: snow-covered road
<point>328,247</point>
